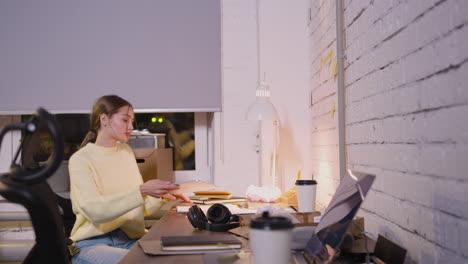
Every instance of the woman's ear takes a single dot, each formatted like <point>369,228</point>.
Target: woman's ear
<point>104,119</point>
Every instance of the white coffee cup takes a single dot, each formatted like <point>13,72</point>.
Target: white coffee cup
<point>306,192</point>
<point>270,239</point>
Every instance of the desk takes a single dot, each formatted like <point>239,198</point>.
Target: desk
<point>171,224</point>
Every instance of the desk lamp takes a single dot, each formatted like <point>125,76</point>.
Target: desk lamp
<point>263,111</point>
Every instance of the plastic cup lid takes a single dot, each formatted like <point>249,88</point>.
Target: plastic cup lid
<point>266,222</point>
<point>306,182</point>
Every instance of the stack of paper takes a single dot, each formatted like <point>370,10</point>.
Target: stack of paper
<point>204,200</point>
<point>201,192</point>
<point>194,186</point>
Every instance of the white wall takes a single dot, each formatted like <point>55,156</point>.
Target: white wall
<point>406,116</point>
<point>10,142</point>
<point>284,59</point>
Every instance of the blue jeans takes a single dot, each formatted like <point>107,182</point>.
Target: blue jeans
<point>104,249</point>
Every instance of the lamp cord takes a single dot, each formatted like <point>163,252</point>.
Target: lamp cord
<point>258,41</point>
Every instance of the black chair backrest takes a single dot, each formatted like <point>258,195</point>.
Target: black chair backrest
<point>29,188</point>
<point>68,217</point>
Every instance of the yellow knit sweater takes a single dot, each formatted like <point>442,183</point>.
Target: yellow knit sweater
<point>105,192</point>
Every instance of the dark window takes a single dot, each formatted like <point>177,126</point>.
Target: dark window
<point>178,128</point>
<point>37,147</point>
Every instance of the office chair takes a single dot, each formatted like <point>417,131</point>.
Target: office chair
<point>68,217</point>
<point>29,188</point>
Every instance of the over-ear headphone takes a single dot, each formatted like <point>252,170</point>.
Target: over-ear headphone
<point>219,215</point>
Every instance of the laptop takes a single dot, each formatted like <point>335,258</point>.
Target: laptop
<point>337,217</point>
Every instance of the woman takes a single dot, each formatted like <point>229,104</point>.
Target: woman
<point>108,195</point>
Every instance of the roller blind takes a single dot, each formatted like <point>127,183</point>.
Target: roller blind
<point>161,55</point>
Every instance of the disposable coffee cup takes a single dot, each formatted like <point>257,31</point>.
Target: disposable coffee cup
<point>270,239</point>
<point>306,191</point>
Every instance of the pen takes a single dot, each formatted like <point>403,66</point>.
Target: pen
<point>294,208</point>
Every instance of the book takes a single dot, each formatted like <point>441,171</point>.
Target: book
<point>213,192</point>
<point>202,242</point>
<point>210,196</point>
<point>194,186</point>
<point>233,199</point>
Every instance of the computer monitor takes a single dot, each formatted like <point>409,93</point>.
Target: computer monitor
<point>338,216</point>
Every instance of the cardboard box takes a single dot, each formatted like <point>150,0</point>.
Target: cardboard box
<point>289,197</point>
<point>149,140</point>
<point>357,228</point>
<point>155,163</point>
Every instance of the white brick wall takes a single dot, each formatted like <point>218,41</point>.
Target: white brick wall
<point>406,115</point>
<point>324,137</point>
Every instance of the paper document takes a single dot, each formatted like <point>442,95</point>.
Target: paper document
<point>196,186</point>
<point>233,199</point>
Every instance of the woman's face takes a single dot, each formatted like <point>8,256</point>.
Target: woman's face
<point>120,125</point>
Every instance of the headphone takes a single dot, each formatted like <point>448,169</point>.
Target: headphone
<point>219,215</point>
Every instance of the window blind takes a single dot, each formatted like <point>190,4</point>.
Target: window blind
<point>162,56</point>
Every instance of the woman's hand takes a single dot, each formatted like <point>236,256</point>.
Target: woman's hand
<point>181,196</point>
<point>157,188</point>
<point>161,189</point>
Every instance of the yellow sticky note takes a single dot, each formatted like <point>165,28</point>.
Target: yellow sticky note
<point>335,68</point>
<point>330,55</point>
<point>333,110</point>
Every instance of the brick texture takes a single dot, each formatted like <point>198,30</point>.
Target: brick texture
<point>406,118</point>
<point>324,102</point>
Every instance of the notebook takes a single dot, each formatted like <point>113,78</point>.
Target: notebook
<point>202,242</point>
<point>338,216</point>
<point>233,199</point>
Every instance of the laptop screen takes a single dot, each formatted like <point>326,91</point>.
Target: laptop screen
<point>338,216</point>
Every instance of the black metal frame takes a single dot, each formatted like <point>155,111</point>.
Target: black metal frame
<point>29,188</point>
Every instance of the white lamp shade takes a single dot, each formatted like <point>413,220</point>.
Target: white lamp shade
<point>261,109</point>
